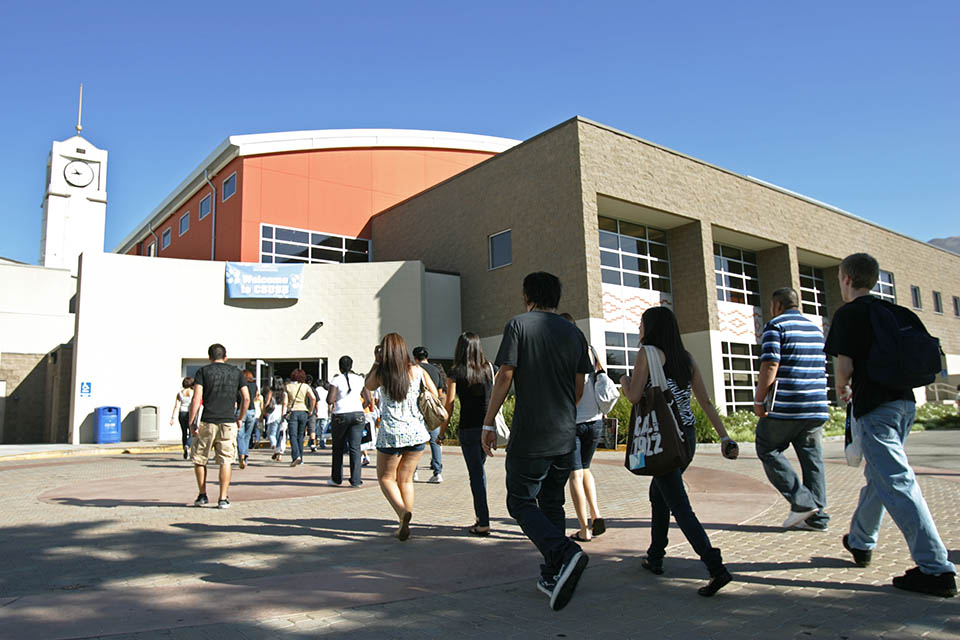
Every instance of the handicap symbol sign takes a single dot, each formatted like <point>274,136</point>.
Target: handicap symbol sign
<point>86,389</point>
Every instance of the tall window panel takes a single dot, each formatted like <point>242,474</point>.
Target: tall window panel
<point>813,298</point>
<point>634,255</point>
<point>741,367</point>
<point>621,353</point>
<point>885,288</point>
<point>736,274</point>
<point>287,245</point>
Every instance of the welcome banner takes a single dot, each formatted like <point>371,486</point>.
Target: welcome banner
<point>273,281</point>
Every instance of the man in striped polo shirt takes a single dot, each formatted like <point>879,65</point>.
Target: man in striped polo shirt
<point>791,401</point>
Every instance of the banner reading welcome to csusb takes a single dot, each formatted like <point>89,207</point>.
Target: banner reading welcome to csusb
<point>281,281</point>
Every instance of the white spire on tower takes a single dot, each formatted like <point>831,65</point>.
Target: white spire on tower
<point>80,110</point>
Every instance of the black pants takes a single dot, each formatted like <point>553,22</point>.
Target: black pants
<point>185,429</point>
<point>347,430</point>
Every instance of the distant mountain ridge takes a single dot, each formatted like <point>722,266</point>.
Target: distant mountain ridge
<point>950,244</point>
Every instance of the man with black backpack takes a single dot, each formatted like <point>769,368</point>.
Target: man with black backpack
<point>884,351</point>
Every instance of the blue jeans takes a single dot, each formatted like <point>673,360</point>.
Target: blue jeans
<point>297,428</point>
<point>535,499</point>
<point>436,452</point>
<point>773,437</point>
<point>892,485</point>
<point>588,436</point>
<point>347,431</point>
<point>245,431</point>
<point>667,495</point>
<point>474,457</point>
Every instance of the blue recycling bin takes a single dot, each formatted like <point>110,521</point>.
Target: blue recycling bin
<point>107,424</point>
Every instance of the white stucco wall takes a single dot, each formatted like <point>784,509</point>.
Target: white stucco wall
<point>35,308</point>
<point>140,317</point>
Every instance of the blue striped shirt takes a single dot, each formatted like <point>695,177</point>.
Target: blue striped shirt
<point>796,345</point>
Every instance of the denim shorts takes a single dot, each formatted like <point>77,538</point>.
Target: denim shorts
<point>396,451</point>
<point>588,436</point>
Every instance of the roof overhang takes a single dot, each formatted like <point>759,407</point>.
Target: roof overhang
<point>290,141</point>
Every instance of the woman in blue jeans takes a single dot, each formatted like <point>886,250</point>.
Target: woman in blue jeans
<point>658,328</point>
<point>299,401</point>
<point>471,380</point>
<point>347,395</point>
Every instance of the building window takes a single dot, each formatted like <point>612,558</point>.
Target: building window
<point>205,207</point>
<point>165,239</point>
<point>285,245</point>
<point>812,291</point>
<point>633,255</point>
<point>937,302</point>
<point>621,353</point>
<point>885,288</point>
<point>501,249</point>
<point>184,223</point>
<point>741,368</point>
<point>915,297</point>
<point>956,306</point>
<point>229,187</point>
<point>736,273</point>
<point>151,249</point>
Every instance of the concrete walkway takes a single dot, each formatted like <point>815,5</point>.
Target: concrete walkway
<point>107,546</point>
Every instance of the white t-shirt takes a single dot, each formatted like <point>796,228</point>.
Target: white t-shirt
<point>348,401</point>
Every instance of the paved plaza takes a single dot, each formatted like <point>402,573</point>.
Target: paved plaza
<point>106,546</point>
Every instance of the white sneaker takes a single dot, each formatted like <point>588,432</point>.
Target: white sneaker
<point>435,479</point>
<point>332,483</point>
<point>796,517</point>
<point>416,476</point>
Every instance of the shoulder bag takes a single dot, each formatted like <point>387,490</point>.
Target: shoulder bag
<point>604,389</point>
<point>656,444</point>
<point>503,431</point>
<point>434,414</point>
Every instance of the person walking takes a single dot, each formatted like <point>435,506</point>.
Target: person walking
<point>883,416</point>
<point>181,411</point>
<point>471,380</point>
<point>300,399</point>
<point>347,394</point>
<point>436,374</point>
<point>274,410</point>
<point>545,358</point>
<point>402,435</point>
<point>583,486</point>
<point>215,387</point>
<point>247,421</point>
<point>793,383</point>
<point>658,328</point>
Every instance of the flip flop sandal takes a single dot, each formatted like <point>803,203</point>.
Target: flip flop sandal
<point>576,538</point>
<point>475,530</point>
<point>599,526</point>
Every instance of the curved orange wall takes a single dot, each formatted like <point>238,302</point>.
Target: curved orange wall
<point>335,191</point>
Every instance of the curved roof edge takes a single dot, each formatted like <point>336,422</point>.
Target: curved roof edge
<point>288,141</point>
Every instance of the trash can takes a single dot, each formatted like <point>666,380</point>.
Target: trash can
<point>146,421</point>
<point>608,434</point>
<point>106,424</point>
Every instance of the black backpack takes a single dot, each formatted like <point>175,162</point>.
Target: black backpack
<point>903,355</point>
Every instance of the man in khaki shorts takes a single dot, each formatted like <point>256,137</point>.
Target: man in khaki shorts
<point>216,388</point>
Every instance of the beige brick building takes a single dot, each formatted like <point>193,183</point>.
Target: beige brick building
<point>627,224</point>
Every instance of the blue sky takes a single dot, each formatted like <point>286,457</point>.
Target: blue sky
<point>852,103</point>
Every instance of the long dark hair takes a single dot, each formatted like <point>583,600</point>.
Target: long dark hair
<point>660,329</point>
<point>469,363</point>
<point>394,367</point>
<point>279,389</point>
<point>345,364</point>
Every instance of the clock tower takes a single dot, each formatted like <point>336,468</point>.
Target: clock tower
<point>75,202</point>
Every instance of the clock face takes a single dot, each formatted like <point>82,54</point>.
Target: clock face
<point>78,173</point>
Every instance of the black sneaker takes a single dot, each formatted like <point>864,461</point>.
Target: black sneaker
<point>547,585</point>
<point>940,584</point>
<point>861,557</point>
<point>567,580</point>
<point>201,500</point>
<point>223,504</point>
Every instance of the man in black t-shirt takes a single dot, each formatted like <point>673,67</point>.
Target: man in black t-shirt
<point>216,388</point>
<point>436,374</point>
<point>883,418</point>
<point>545,357</point>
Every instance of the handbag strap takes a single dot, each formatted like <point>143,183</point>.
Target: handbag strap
<point>655,367</point>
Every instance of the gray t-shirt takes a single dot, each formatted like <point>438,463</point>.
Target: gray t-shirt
<point>548,352</point>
